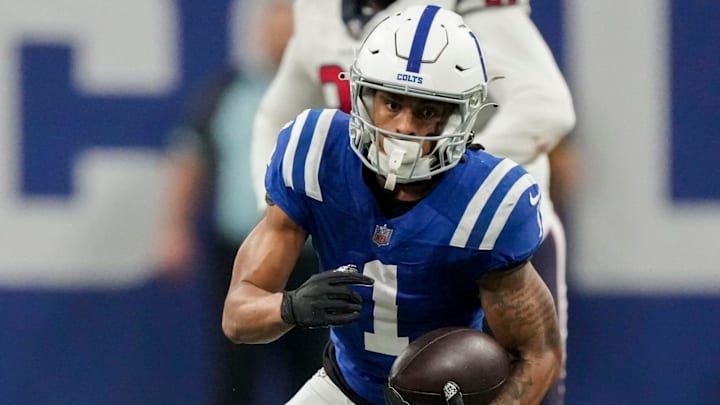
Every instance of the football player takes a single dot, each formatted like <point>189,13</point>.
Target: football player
<point>535,107</point>
<point>413,231</point>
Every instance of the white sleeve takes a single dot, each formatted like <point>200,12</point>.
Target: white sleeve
<point>291,91</point>
<point>536,109</point>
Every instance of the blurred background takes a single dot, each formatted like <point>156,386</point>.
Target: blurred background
<point>89,90</point>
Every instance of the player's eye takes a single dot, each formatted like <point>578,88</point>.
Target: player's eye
<point>428,112</point>
<point>392,105</point>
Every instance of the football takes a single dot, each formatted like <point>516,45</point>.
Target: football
<point>476,364</point>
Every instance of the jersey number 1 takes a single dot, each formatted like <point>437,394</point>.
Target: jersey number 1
<point>385,337</point>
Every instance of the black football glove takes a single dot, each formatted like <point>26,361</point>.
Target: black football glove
<point>325,299</point>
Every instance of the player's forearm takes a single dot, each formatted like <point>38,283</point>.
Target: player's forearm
<point>533,374</point>
<point>262,266</point>
<point>522,316</point>
<point>252,315</point>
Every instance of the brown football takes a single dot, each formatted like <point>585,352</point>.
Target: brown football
<point>468,357</point>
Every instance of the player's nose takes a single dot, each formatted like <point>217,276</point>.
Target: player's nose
<point>405,122</point>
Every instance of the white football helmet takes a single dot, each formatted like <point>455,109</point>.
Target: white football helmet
<point>426,52</point>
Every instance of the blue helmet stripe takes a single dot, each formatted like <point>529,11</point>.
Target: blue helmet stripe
<point>482,61</point>
<point>421,34</point>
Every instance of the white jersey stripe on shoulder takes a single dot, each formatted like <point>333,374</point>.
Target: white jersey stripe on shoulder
<point>478,201</point>
<point>504,210</point>
<point>312,163</point>
<point>289,156</point>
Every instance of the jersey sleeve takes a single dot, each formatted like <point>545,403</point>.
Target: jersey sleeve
<point>294,176</point>
<point>277,182</point>
<point>496,214</point>
<point>521,226</point>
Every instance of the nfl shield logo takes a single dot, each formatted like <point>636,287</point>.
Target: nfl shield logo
<point>382,235</point>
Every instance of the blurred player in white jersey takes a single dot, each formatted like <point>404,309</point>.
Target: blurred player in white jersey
<point>535,106</point>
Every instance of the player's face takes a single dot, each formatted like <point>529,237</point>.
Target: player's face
<point>409,116</point>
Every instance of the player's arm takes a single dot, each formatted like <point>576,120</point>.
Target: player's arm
<point>291,91</point>
<point>257,310</point>
<point>521,314</point>
<point>536,109</point>
<point>261,270</point>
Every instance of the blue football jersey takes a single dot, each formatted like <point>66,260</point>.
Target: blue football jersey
<point>481,217</point>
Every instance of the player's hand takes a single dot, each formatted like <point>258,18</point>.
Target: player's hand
<point>325,299</point>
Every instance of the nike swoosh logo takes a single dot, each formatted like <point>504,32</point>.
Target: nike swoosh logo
<point>534,199</point>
